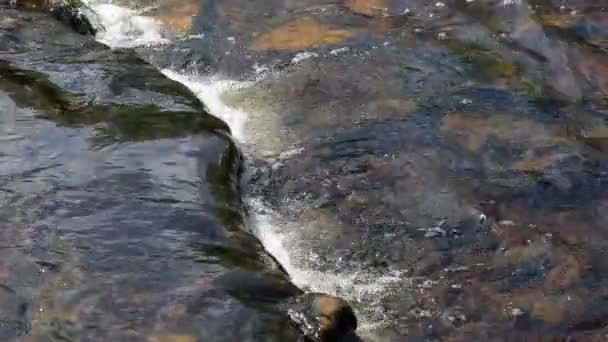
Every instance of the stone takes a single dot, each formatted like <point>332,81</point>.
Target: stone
<point>522,254</point>
<point>378,8</point>
<point>370,8</point>
<point>170,337</point>
<point>565,275</point>
<point>595,136</point>
<point>299,35</point>
<point>472,131</point>
<point>431,263</point>
<point>556,309</point>
<point>66,11</point>
<point>176,15</point>
<point>73,17</point>
<point>539,164</point>
<point>322,317</point>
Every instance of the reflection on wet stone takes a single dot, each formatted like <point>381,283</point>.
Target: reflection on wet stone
<point>120,204</point>
<point>438,164</point>
<point>503,151</point>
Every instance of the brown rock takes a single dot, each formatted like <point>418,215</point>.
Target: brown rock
<point>34,4</point>
<point>370,8</point>
<point>431,263</point>
<point>472,131</point>
<point>565,275</point>
<point>536,165</point>
<point>556,309</point>
<point>299,35</point>
<point>176,15</point>
<point>571,227</point>
<point>558,20</point>
<point>522,254</point>
<point>322,317</point>
<point>377,8</point>
<point>170,337</point>
<point>391,106</point>
<point>596,136</point>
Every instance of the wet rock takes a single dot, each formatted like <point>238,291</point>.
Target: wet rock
<point>601,210</point>
<point>565,275</point>
<point>523,265</point>
<point>77,94</point>
<point>595,136</point>
<point>257,287</point>
<point>299,35</point>
<point>349,109</point>
<point>75,18</point>
<point>431,263</point>
<point>322,317</point>
<point>555,20</point>
<point>378,8</point>
<point>555,309</point>
<point>540,163</point>
<point>473,131</point>
<point>528,250</point>
<point>68,12</point>
<point>371,8</point>
<point>593,29</point>
<point>32,4</point>
<point>170,337</point>
<point>176,15</point>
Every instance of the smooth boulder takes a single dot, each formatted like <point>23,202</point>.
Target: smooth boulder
<point>322,317</point>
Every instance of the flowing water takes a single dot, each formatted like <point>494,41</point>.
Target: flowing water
<point>440,165</point>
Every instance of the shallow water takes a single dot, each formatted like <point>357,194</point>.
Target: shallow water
<point>441,165</point>
<point>121,216</point>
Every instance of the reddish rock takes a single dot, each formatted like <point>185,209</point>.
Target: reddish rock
<point>565,275</point>
<point>300,35</point>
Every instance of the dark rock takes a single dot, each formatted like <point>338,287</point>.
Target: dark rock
<point>74,18</point>
<point>68,12</point>
<point>257,287</point>
<point>322,317</point>
<point>431,263</point>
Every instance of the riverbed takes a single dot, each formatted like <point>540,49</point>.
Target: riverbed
<point>439,165</point>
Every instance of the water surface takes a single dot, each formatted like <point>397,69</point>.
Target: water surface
<point>441,165</point>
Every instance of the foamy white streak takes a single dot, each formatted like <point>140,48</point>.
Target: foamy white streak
<point>277,240</point>
<point>267,225</point>
<point>124,28</point>
<point>209,90</point>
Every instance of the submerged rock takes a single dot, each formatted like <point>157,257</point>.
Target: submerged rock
<point>75,18</point>
<point>300,35</point>
<point>69,12</point>
<point>134,216</point>
<point>436,177</point>
<point>322,317</point>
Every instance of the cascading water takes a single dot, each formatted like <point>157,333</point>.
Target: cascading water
<point>126,28</point>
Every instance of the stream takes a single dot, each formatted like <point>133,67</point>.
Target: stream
<point>187,172</point>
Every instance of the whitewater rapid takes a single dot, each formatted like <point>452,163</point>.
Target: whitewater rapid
<point>125,28</point>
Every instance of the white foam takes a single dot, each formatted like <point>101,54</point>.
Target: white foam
<point>280,242</point>
<point>124,28</point>
<point>302,56</point>
<point>340,51</point>
<point>280,239</point>
<point>209,90</point>
<point>279,236</point>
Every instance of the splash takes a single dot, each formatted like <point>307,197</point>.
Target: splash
<point>209,90</point>
<point>125,28</point>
